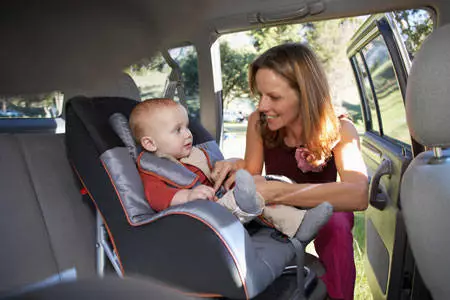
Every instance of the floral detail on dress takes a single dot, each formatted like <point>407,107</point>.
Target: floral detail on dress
<point>304,157</point>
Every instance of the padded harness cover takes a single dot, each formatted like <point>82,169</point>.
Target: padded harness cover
<point>176,174</point>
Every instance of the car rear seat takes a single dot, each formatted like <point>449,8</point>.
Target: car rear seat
<point>48,231</point>
<point>45,228</point>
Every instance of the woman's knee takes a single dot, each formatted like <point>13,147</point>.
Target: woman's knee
<point>340,223</point>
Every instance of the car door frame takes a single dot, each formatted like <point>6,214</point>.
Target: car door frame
<point>397,277</point>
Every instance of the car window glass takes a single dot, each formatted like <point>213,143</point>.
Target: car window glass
<point>368,95</point>
<point>186,58</point>
<point>48,105</point>
<point>150,76</point>
<point>387,90</point>
<point>154,77</point>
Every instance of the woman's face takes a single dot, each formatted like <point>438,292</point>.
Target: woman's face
<point>278,101</point>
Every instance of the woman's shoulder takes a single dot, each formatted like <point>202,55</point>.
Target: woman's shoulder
<point>347,130</point>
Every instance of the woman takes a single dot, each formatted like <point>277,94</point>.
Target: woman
<point>295,132</point>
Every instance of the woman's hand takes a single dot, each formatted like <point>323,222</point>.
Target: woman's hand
<point>223,172</point>
<point>269,190</point>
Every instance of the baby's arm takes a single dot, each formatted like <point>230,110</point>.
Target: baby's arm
<point>161,196</point>
<point>199,192</point>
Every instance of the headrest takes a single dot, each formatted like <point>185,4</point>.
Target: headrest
<point>428,91</point>
<point>119,124</point>
<point>121,85</point>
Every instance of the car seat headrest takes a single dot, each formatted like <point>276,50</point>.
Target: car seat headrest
<point>121,85</point>
<point>119,124</point>
<point>428,91</point>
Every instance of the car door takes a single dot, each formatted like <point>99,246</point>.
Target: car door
<point>380,64</point>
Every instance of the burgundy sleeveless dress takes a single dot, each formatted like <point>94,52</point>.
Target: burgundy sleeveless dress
<point>334,243</point>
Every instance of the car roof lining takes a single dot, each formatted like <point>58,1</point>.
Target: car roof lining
<point>55,45</point>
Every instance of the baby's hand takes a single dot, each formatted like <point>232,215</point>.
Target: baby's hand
<point>202,192</point>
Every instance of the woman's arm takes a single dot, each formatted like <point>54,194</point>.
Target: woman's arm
<point>223,172</point>
<point>350,194</point>
<point>254,150</point>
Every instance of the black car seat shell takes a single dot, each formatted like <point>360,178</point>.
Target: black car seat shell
<point>199,246</point>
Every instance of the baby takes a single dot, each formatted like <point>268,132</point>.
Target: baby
<point>161,127</point>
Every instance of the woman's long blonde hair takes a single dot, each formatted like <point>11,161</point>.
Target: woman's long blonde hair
<point>299,66</point>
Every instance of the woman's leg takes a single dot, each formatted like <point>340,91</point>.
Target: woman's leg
<point>334,245</point>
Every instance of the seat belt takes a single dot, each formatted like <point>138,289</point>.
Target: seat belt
<point>174,85</point>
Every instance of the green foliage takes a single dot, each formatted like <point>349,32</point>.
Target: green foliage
<point>328,40</point>
<point>189,73</point>
<point>234,72</point>
<point>268,37</point>
<point>157,63</point>
<point>415,26</point>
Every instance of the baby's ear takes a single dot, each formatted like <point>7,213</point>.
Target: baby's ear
<point>148,144</point>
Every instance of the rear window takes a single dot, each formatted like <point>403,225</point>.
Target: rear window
<point>47,105</point>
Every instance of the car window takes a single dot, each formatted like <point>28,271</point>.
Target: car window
<point>387,90</point>
<point>150,76</point>
<point>372,117</point>
<point>47,105</point>
<point>186,58</point>
<point>156,77</point>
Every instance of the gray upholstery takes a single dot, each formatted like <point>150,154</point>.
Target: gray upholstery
<point>120,85</point>
<point>44,226</point>
<point>425,189</point>
<point>260,259</point>
<point>425,197</point>
<point>108,288</point>
<point>428,91</point>
<point>179,174</point>
<point>176,172</point>
<point>213,151</point>
<point>125,177</point>
<point>119,124</point>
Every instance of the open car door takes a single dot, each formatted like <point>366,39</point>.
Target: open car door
<point>381,64</point>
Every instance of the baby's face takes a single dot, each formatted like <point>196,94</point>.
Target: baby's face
<point>170,133</point>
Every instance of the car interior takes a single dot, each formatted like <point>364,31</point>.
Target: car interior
<point>73,216</point>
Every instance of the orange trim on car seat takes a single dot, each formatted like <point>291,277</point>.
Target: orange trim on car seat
<point>202,295</point>
<point>208,160</point>
<point>187,214</point>
<point>118,194</point>
<point>262,219</point>
<point>104,221</point>
<point>241,276</point>
<point>166,180</point>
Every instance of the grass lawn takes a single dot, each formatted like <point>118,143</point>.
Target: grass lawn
<point>362,290</point>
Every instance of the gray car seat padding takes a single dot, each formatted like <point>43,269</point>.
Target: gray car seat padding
<point>425,190</point>
<point>124,176</point>
<point>119,124</point>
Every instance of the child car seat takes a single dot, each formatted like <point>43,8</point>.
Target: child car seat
<point>199,246</point>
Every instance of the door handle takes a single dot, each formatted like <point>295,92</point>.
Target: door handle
<point>378,198</point>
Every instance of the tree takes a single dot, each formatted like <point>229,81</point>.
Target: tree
<point>267,37</point>
<point>415,25</point>
<point>157,62</point>
<point>234,72</point>
<point>189,72</point>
